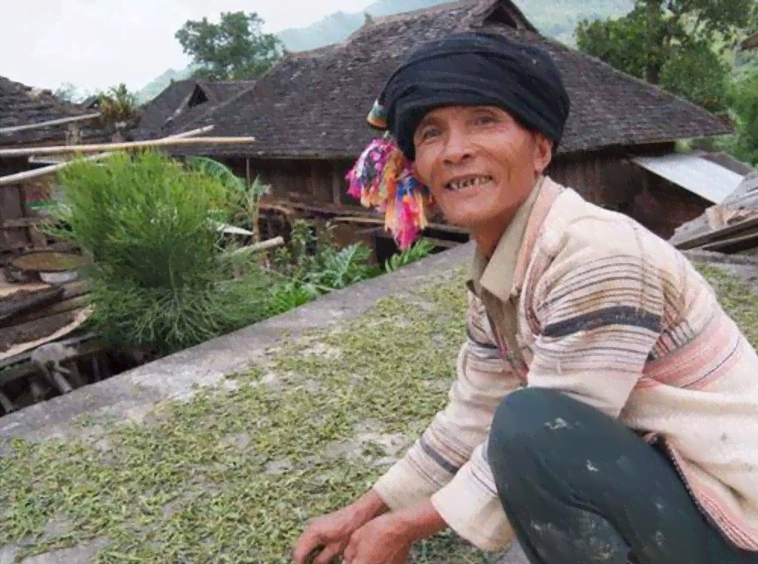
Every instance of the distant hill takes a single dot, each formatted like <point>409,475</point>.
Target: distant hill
<point>556,19</point>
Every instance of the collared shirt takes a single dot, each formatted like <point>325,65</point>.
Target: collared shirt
<point>610,314</point>
<point>492,279</point>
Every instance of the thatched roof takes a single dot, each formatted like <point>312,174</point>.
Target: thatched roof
<point>314,105</point>
<point>23,105</point>
<point>181,102</point>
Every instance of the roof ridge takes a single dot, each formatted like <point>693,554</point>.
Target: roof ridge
<point>207,113</point>
<point>428,10</point>
<point>400,16</point>
<point>44,96</point>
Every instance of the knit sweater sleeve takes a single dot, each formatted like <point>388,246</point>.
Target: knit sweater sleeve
<point>456,431</point>
<point>600,315</point>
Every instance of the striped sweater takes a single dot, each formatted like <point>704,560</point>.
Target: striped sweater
<point>588,302</point>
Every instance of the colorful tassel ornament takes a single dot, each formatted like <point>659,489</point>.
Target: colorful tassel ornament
<point>383,178</point>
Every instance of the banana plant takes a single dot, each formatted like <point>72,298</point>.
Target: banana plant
<point>249,198</point>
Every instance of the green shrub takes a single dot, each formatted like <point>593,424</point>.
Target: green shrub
<point>159,278</point>
<point>313,263</point>
<point>157,281</point>
<point>744,98</point>
<point>420,249</point>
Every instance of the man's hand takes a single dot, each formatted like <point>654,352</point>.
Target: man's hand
<point>384,539</point>
<point>332,532</point>
<point>388,539</point>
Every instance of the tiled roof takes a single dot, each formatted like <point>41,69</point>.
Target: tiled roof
<point>24,105</point>
<point>182,102</point>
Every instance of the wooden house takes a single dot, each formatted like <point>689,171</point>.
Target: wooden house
<point>308,116</point>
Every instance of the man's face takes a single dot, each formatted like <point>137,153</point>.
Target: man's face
<point>479,163</point>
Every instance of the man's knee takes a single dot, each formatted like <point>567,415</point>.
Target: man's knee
<point>516,431</point>
<point>524,412</point>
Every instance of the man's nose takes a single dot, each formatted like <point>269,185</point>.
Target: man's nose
<point>457,148</point>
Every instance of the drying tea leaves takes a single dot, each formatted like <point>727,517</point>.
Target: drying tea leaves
<point>232,476</point>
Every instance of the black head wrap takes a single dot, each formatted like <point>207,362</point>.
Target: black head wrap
<point>473,69</point>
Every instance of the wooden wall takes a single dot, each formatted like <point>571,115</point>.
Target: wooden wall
<point>314,181</point>
<point>13,234</point>
<point>607,180</point>
<point>604,178</point>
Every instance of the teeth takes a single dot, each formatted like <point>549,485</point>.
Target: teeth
<point>458,184</point>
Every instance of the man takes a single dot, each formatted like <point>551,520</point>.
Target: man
<point>606,408</point>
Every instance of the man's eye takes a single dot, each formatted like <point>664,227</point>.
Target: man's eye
<point>428,133</point>
<point>483,119</point>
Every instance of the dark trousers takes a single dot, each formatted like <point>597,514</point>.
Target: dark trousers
<point>579,487</point>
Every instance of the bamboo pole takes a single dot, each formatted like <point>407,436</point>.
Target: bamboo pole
<point>40,125</point>
<point>257,247</point>
<point>165,142</point>
<point>29,174</point>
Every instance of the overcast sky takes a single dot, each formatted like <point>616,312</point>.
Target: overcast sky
<point>95,44</point>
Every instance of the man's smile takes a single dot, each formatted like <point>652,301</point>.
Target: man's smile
<point>467,181</point>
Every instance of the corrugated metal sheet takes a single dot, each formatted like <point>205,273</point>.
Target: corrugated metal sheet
<point>695,174</point>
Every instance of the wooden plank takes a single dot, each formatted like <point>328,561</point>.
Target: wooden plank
<point>734,245</point>
<point>10,209</point>
<point>21,365</point>
<point>55,309</point>
<point>707,238</point>
<point>61,247</point>
<point>39,300</point>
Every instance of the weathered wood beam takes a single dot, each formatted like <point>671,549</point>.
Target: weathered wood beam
<point>43,124</point>
<point>29,174</point>
<point>95,148</point>
<point>734,230</point>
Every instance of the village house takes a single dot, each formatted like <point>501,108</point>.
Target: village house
<point>182,102</point>
<point>308,117</point>
<point>34,117</point>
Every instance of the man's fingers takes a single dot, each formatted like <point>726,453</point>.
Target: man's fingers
<point>307,544</point>
<point>350,550</point>
<point>329,554</point>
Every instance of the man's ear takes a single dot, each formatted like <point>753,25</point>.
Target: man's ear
<point>543,153</point>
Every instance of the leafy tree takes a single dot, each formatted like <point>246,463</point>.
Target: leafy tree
<point>744,100</point>
<point>233,49</point>
<point>674,43</point>
<point>118,104</point>
<point>699,75</point>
